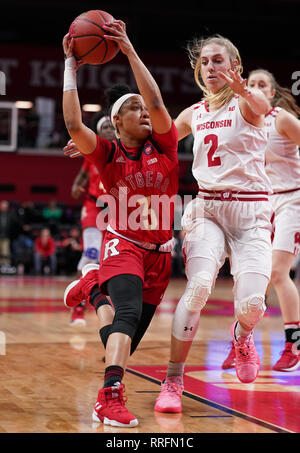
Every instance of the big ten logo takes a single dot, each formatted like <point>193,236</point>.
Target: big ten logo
<point>2,343</point>
<point>2,84</point>
<point>296,85</point>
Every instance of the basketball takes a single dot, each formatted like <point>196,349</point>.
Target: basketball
<point>90,46</point>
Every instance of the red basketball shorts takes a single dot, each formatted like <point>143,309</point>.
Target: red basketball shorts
<point>119,256</point>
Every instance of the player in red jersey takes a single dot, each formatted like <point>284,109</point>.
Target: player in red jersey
<point>92,236</point>
<point>136,170</point>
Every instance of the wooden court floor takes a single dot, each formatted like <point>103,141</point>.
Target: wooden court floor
<point>51,372</point>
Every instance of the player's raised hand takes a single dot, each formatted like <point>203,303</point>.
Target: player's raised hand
<point>117,33</point>
<point>235,81</point>
<point>71,150</point>
<point>77,191</point>
<point>68,47</point>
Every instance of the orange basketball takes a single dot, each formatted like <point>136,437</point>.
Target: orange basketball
<point>90,46</point>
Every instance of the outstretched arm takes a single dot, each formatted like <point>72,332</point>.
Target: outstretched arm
<point>183,122</point>
<point>79,183</point>
<point>148,88</point>
<point>84,137</point>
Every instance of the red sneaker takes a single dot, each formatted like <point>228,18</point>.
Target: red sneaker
<point>110,407</point>
<point>229,362</point>
<point>289,360</point>
<point>77,317</point>
<point>79,290</point>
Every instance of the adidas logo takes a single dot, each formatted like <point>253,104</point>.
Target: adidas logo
<point>121,160</point>
<point>114,390</point>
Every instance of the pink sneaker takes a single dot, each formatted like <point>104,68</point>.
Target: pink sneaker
<point>229,362</point>
<point>79,290</point>
<point>169,399</point>
<point>289,361</point>
<point>247,360</point>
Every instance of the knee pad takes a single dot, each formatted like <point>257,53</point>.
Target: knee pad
<point>185,322</point>
<point>249,311</point>
<point>126,319</point>
<point>92,253</point>
<point>126,292</point>
<point>104,333</point>
<point>197,291</point>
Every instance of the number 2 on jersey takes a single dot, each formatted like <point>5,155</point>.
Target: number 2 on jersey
<point>213,140</point>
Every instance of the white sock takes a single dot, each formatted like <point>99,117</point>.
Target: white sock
<point>240,333</point>
<point>175,369</point>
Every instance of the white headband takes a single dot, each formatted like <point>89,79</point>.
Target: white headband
<point>118,104</point>
<point>100,123</point>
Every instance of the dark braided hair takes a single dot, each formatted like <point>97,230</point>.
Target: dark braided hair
<point>113,93</point>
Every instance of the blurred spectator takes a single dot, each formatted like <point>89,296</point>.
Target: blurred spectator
<point>28,122</point>
<point>52,211</point>
<point>72,250</point>
<point>44,252</point>
<point>28,214</point>
<point>9,228</point>
<point>52,214</point>
<point>22,247</point>
<point>68,216</point>
<point>22,253</point>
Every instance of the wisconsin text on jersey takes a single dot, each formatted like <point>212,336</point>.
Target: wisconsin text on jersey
<point>214,124</point>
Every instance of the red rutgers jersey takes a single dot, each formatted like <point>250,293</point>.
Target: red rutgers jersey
<point>142,184</point>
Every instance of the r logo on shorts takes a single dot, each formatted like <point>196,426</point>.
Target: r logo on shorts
<point>110,248</point>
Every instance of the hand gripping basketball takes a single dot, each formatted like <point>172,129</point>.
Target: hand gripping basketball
<point>68,47</point>
<point>117,33</point>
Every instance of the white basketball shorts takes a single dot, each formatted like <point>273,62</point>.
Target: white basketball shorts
<point>286,225</point>
<point>240,230</point>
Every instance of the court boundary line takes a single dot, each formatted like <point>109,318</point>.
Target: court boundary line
<point>218,406</point>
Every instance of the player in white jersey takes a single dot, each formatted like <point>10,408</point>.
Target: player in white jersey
<point>231,215</point>
<point>283,169</point>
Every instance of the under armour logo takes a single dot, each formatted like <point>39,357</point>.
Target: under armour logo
<point>188,328</point>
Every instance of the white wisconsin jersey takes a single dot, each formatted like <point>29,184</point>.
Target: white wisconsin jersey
<point>229,153</point>
<point>282,157</point>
